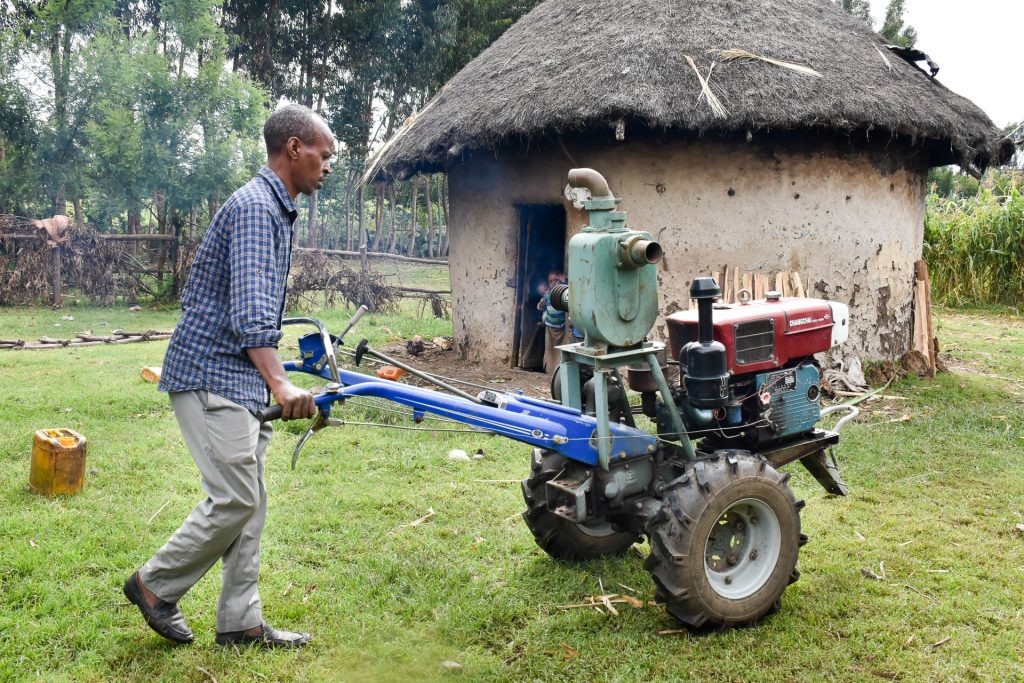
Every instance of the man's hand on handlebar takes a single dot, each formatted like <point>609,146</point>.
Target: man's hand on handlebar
<point>296,403</point>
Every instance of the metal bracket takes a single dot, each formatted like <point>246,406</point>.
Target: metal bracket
<point>576,490</point>
<point>825,469</point>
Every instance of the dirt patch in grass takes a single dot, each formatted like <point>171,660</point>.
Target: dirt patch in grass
<point>446,364</point>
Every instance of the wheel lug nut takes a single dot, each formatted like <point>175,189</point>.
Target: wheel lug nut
<point>753,554</point>
<point>753,521</point>
<point>740,526</point>
<point>728,580</point>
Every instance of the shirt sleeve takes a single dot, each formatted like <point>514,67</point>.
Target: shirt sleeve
<point>252,256</point>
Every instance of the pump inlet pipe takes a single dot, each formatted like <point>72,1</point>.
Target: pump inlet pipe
<point>852,411</point>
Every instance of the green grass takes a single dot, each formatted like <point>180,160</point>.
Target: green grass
<point>935,499</point>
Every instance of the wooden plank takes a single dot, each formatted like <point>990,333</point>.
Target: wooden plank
<point>56,297</point>
<point>417,290</point>
<point>933,341</point>
<point>47,343</point>
<point>727,285</point>
<point>787,287</point>
<point>151,373</point>
<point>373,254</point>
<point>110,238</point>
<point>735,284</point>
<point>760,285</point>
<point>798,286</point>
<point>137,238</point>
<point>748,283</point>
<point>924,341</point>
<point>921,339</point>
<point>717,277</point>
<point>779,278</point>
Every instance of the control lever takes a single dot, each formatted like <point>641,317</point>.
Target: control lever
<point>351,323</point>
<point>319,422</point>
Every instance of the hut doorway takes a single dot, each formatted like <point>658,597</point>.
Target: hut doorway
<point>542,233</point>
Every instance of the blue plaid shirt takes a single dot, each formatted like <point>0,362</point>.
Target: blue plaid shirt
<point>235,295</point>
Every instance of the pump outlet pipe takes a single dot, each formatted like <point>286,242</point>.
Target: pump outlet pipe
<point>591,180</point>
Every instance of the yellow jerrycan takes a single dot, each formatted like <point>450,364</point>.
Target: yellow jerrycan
<point>58,462</point>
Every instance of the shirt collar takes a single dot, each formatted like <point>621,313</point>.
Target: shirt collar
<point>283,196</point>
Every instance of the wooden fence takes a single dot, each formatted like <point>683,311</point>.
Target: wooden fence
<point>58,252</point>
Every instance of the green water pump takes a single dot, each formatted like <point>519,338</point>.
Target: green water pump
<point>612,294</point>
<point>612,297</point>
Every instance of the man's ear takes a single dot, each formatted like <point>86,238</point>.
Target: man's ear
<point>292,147</point>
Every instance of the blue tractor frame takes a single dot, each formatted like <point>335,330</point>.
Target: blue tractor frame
<point>543,424</point>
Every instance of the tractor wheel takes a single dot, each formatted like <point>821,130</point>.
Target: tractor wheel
<point>724,544</point>
<point>560,538</point>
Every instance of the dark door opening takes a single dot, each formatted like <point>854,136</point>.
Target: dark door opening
<point>542,233</point>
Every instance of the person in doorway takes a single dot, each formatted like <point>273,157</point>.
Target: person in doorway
<point>555,327</point>
<point>221,367</point>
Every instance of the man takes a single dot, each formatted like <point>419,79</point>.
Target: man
<point>221,367</point>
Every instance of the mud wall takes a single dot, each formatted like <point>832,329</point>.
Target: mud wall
<point>851,223</point>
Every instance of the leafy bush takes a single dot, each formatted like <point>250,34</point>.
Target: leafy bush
<point>975,247</point>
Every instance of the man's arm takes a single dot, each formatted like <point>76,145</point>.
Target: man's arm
<point>254,308</point>
<point>295,403</point>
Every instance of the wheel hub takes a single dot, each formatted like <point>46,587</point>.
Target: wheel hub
<point>742,548</point>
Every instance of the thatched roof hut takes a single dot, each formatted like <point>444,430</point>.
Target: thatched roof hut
<point>571,65</point>
<point>765,134</point>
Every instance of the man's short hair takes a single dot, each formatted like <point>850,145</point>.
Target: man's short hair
<point>291,121</point>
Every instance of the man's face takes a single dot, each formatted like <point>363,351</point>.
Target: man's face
<point>311,162</point>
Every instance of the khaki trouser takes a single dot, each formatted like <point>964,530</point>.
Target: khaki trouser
<point>229,446</point>
<point>554,336</point>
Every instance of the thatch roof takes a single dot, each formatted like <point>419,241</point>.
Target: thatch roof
<point>577,65</point>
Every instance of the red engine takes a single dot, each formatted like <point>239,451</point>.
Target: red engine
<point>764,335</point>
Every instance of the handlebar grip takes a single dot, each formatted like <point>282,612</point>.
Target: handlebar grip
<point>358,315</point>
<point>270,414</point>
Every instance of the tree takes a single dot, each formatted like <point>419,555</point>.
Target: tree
<point>58,30</point>
<point>257,34</point>
<point>894,29</point>
<point>1015,132</point>
<point>19,169</point>
<point>858,8</point>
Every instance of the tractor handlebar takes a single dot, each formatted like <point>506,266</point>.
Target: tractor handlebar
<point>274,412</point>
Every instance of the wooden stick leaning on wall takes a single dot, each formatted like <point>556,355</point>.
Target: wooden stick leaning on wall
<point>924,327</point>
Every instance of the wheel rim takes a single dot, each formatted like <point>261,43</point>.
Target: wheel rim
<point>742,548</point>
